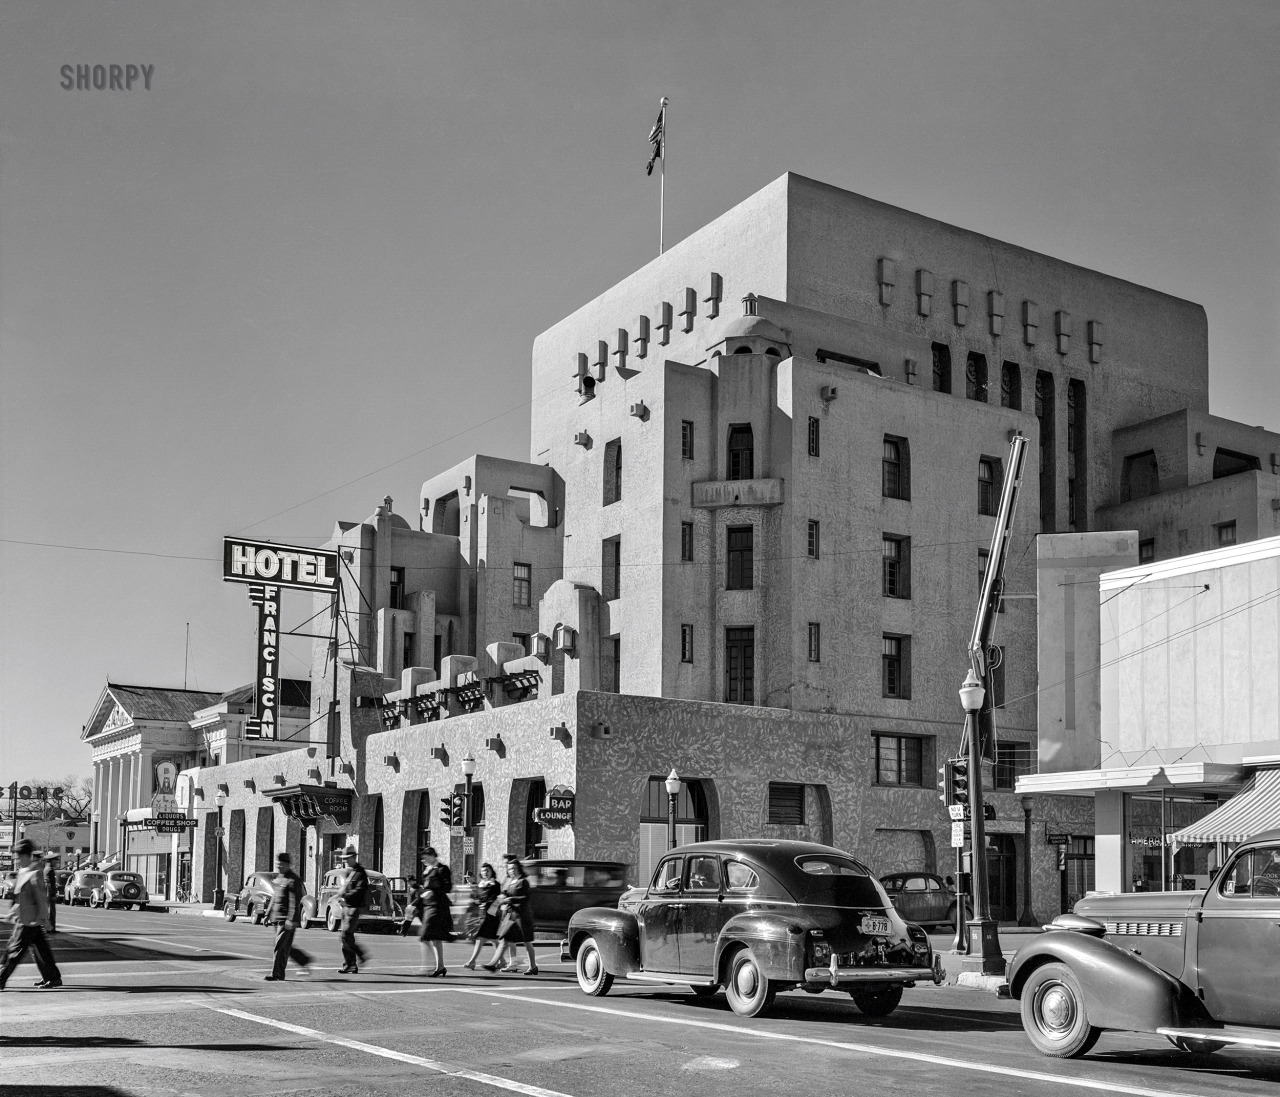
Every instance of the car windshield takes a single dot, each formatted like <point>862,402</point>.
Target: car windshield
<point>834,880</point>
<point>91,879</point>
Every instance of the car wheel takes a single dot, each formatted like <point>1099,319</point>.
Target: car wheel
<point>254,914</point>
<point>876,1002</point>
<point>589,966</point>
<point>331,921</point>
<point>705,992</point>
<point>1053,1013</point>
<point>1194,1046</point>
<point>746,987</point>
<point>229,912</point>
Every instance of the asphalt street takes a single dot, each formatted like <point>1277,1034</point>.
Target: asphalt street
<point>161,1004</point>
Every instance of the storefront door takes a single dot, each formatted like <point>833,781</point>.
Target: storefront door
<point>1002,877</point>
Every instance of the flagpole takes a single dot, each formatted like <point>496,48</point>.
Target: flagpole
<point>662,179</point>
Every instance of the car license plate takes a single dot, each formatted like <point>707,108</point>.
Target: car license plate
<point>875,926</point>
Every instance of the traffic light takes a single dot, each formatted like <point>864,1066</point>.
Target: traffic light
<point>446,810</point>
<point>458,810</point>
<point>956,782</point>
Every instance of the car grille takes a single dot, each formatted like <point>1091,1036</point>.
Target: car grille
<point>1145,929</point>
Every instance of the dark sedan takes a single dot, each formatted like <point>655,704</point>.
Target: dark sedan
<point>756,917</point>
<point>924,897</point>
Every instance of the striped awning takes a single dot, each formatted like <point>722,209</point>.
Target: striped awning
<point>1255,808</point>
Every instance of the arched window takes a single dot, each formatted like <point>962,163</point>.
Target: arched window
<point>975,377</point>
<point>378,831</point>
<point>612,471</point>
<point>741,464</point>
<point>692,822</point>
<point>744,350</point>
<point>1011,386</point>
<point>895,469</point>
<point>988,484</point>
<point>941,367</point>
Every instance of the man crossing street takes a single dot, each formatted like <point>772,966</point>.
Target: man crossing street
<point>49,874</point>
<point>29,913</point>
<point>286,915</point>
<point>354,897</point>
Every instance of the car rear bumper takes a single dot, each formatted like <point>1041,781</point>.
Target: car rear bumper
<point>860,976</point>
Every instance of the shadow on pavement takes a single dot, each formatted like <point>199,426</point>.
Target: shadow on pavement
<point>1239,1064</point>
<point>25,1090</point>
<point>83,1042</point>
<point>153,988</point>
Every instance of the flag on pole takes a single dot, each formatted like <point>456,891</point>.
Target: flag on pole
<point>657,137</point>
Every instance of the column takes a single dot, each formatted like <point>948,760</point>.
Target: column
<point>1110,840</point>
<point>110,825</point>
<point>145,778</point>
<point>95,808</point>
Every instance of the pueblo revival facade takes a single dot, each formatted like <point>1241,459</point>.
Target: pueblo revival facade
<point>747,546</point>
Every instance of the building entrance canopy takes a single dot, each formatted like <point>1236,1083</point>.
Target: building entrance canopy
<point>1255,808</point>
<point>308,804</point>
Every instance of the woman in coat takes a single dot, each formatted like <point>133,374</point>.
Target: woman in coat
<point>486,894</point>
<point>517,920</point>
<point>437,920</point>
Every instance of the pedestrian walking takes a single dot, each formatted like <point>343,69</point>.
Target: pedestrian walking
<point>354,897</point>
<point>486,893</point>
<point>286,915</point>
<point>516,924</point>
<point>29,912</point>
<point>412,905</point>
<point>50,876</point>
<point>437,919</point>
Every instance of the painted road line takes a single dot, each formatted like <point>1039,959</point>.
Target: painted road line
<point>399,1056</point>
<point>845,1045</point>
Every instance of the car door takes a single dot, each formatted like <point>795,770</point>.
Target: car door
<point>913,900</point>
<point>704,914</point>
<point>1238,941</point>
<point>659,917</point>
<point>938,902</point>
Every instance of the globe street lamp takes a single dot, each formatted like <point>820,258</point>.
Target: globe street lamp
<point>982,927</point>
<point>1027,917</point>
<point>468,772</point>
<point>219,894</point>
<point>674,784</point>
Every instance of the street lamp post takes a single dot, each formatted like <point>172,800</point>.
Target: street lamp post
<point>982,927</point>
<point>1027,917</point>
<point>674,785</point>
<point>468,773</point>
<point>219,894</point>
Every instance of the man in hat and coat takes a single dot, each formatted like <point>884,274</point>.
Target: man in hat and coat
<point>354,897</point>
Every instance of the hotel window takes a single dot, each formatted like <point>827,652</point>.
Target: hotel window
<point>740,557</point>
<point>975,377</point>
<point>786,804</point>
<point>522,585</point>
<point>1013,760</point>
<point>406,650</point>
<point>686,540</point>
<point>997,680</point>
<point>1044,407</point>
<point>612,471</point>
<point>686,439</point>
<point>741,452</point>
<point>1147,550</point>
<point>900,760</point>
<point>522,638</point>
<point>814,543</point>
<point>815,642</point>
<point>988,484</point>
<point>941,367</point>
<point>896,558</point>
<point>813,436</point>
<point>396,594</point>
<point>895,667</point>
<point>1011,386</point>
<point>1226,533</point>
<point>611,568</point>
<point>686,643</point>
<point>1077,454</point>
<point>895,468</point>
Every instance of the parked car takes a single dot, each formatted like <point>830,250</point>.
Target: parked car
<point>124,889</point>
<point>381,911</point>
<point>924,897</point>
<point>1200,967</point>
<point>558,889</point>
<point>755,917</point>
<point>253,901</point>
<point>81,886</point>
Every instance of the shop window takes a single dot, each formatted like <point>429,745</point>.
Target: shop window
<point>521,589</point>
<point>786,804</point>
<point>900,760</point>
<point>740,557</point>
<point>895,666</point>
<point>895,468</point>
<point>895,554</point>
<point>815,642</point>
<point>612,471</point>
<point>941,367</point>
<point>741,463</point>
<point>1011,386</point>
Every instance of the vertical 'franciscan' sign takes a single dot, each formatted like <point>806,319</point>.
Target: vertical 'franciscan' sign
<point>267,685</point>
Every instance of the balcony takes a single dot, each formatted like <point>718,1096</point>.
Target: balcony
<point>710,494</point>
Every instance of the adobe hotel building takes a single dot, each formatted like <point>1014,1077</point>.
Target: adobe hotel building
<point>747,547</point>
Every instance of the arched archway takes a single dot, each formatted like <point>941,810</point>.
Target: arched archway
<point>378,833</point>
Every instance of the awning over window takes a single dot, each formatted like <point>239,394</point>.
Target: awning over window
<point>1255,808</point>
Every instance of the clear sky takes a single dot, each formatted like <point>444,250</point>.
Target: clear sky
<point>305,269</point>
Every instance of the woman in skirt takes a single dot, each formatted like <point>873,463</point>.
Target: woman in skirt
<point>485,893</point>
<point>437,920</point>
<point>516,924</point>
